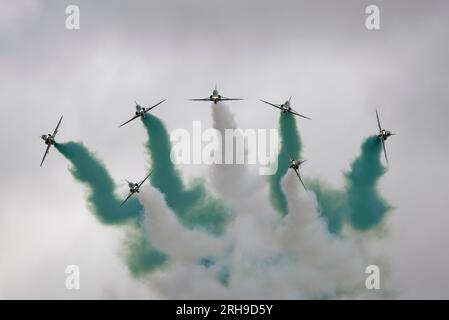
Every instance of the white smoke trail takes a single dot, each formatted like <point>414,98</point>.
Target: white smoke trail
<point>168,235</point>
<point>329,264</point>
<point>246,193</point>
<point>223,175</point>
<point>185,277</point>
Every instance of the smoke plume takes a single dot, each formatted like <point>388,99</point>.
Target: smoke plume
<point>281,241</point>
<point>102,201</point>
<point>194,206</point>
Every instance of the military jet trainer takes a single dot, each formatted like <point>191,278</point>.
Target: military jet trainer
<point>141,111</point>
<point>134,188</point>
<point>50,140</point>
<point>294,164</point>
<point>215,97</point>
<point>383,135</point>
<point>285,108</point>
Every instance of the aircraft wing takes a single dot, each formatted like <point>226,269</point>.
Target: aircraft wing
<point>57,127</point>
<point>135,117</point>
<point>230,99</point>
<point>204,99</point>
<point>385,150</point>
<point>271,104</point>
<point>378,121</point>
<point>141,182</point>
<point>152,107</point>
<point>45,154</point>
<point>297,114</point>
<point>129,196</point>
<point>299,176</point>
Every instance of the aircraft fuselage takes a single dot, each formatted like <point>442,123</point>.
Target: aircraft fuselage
<point>215,97</point>
<point>133,187</point>
<point>286,107</point>
<point>294,164</point>
<point>141,113</point>
<point>384,134</point>
<point>48,138</point>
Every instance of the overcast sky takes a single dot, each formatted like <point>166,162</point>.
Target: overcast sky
<point>319,52</point>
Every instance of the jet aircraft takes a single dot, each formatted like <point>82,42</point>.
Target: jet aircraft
<point>383,135</point>
<point>50,140</point>
<point>141,111</point>
<point>134,188</point>
<point>285,107</point>
<point>215,97</point>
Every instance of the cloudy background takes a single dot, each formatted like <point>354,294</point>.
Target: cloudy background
<point>320,52</point>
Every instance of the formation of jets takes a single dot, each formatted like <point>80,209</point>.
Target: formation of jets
<point>215,97</point>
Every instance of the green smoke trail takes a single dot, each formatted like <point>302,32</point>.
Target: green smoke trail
<point>290,147</point>
<point>359,204</point>
<point>101,198</point>
<point>141,257</point>
<point>332,204</point>
<point>194,207</point>
<point>91,172</point>
<point>366,206</point>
